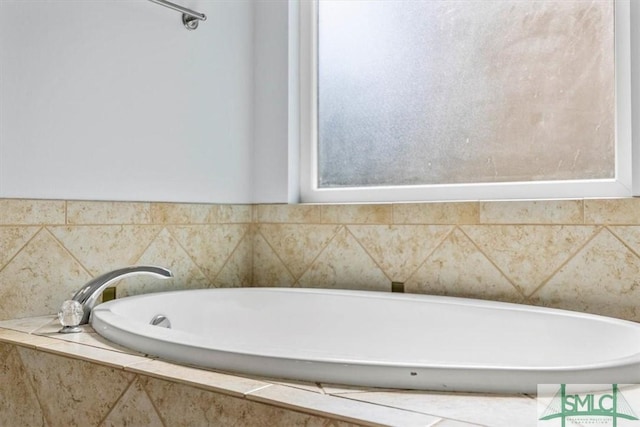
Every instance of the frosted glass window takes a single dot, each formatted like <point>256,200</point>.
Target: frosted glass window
<point>437,91</point>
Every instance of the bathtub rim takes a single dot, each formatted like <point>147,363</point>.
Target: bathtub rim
<point>175,337</point>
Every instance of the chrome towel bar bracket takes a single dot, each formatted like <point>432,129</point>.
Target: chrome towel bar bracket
<point>190,18</point>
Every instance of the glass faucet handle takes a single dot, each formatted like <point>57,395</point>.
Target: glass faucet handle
<point>70,316</point>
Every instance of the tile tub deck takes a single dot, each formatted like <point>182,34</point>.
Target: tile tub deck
<point>336,404</point>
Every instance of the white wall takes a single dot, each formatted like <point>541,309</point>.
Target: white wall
<point>635,88</point>
<point>116,100</point>
<point>275,102</point>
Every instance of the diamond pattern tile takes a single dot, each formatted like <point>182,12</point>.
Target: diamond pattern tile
<point>12,239</point>
<point>18,402</point>
<point>103,248</point>
<point>40,277</point>
<point>581,266</point>
<point>73,392</point>
<point>133,409</point>
<point>458,268</point>
<point>344,264</point>
<point>237,270</point>
<point>325,247</point>
<point>297,245</point>
<point>268,269</point>
<point>528,255</point>
<point>603,278</point>
<point>399,249</point>
<point>165,251</point>
<point>209,245</point>
<point>629,235</point>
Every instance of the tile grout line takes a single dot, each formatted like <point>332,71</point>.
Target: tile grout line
<point>259,233</point>
<point>339,228</point>
<point>29,240</point>
<point>117,400</point>
<point>444,238</point>
<point>30,381</point>
<point>68,252</point>
<point>622,241</point>
<point>494,264</point>
<point>313,411</point>
<point>371,257</point>
<point>346,397</point>
<point>246,394</point>
<point>181,246</point>
<point>598,230</point>
<point>228,259</point>
<point>153,403</point>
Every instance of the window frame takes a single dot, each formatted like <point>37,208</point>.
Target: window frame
<point>627,153</point>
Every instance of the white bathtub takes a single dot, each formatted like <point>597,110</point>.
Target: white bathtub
<point>377,339</point>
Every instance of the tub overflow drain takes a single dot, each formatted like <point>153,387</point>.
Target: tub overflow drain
<point>161,320</point>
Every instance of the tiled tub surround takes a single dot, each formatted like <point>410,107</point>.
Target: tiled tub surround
<point>80,379</point>
<point>574,254</point>
<point>48,249</point>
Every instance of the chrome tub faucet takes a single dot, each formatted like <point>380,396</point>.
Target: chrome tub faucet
<point>80,306</point>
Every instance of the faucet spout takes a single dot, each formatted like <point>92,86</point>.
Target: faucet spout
<point>89,293</point>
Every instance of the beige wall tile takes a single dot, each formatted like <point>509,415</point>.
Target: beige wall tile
<point>4,350</point>
<point>103,248</point>
<point>165,251</point>
<point>297,214</point>
<point>19,404</point>
<point>12,239</point>
<point>458,268</point>
<point>238,269</point>
<point>529,254</point>
<point>31,212</point>
<point>73,392</point>
<point>268,269</point>
<point>95,213</point>
<point>612,211</point>
<point>357,214</point>
<point>399,249</point>
<point>297,245</point>
<point>209,245</point>
<point>602,279</point>
<point>344,264</point>
<point>436,213</point>
<point>235,214</point>
<point>527,243</point>
<point>39,279</point>
<point>133,409</point>
<point>182,213</point>
<point>532,212</point>
<point>180,405</point>
<point>630,235</point>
